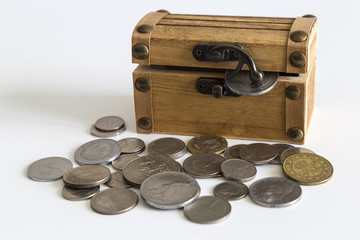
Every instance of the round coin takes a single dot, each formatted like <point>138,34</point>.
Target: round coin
<point>100,151</point>
<point>172,147</point>
<point>136,171</point>
<point>109,123</point>
<point>275,192</point>
<point>207,209</point>
<point>258,153</point>
<point>288,152</point>
<point>280,147</point>
<point>49,169</point>
<point>238,169</point>
<point>169,190</point>
<point>231,190</point>
<point>207,144</point>
<point>86,176</point>
<point>233,151</point>
<point>102,134</point>
<point>76,194</point>
<point>308,168</point>
<point>123,160</point>
<point>203,165</point>
<point>117,180</point>
<point>132,145</point>
<point>114,201</point>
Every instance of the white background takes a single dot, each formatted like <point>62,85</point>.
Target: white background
<point>63,64</point>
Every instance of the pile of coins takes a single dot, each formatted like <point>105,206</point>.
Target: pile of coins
<point>110,126</point>
<point>166,184</point>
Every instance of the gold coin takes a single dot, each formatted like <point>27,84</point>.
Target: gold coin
<point>308,168</point>
<point>207,144</point>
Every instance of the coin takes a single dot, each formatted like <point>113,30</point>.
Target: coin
<point>102,134</point>
<point>203,165</point>
<point>233,151</point>
<point>117,180</point>
<point>231,190</point>
<point>207,209</point>
<point>109,123</point>
<point>172,147</point>
<point>238,169</point>
<point>207,144</point>
<point>308,168</point>
<point>288,152</point>
<point>280,147</point>
<point>275,192</point>
<point>100,151</point>
<point>86,176</point>
<point>77,194</point>
<point>123,160</point>
<point>258,153</point>
<point>114,201</point>
<point>132,145</point>
<point>136,171</point>
<point>169,190</point>
<point>49,169</point>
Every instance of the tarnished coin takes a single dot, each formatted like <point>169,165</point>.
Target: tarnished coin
<point>308,168</point>
<point>238,169</point>
<point>77,194</point>
<point>280,147</point>
<point>231,190</point>
<point>109,123</point>
<point>117,180</point>
<point>169,190</point>
<point>233,151</point>
<point>258,153</point>
<point>102,134</point>
<point>136,171</point>
<point>123,160</point>
<point>203,165</point>
<point>86,176</point>
<point>207,144</point>
<point>49,169</point>
<point>132,145</point>
<point>207,209</point>
<point>100,151</point>
<point>288,152</point>
<point>114,201</point>
<point>275,192</point>
<point>172,147</point>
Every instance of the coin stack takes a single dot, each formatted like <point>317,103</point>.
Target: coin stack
<point>109,126</point>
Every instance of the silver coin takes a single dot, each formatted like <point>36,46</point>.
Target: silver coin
<point>123,160</point>
<point>102,134</point>
<point>231,190</point>
<point>280,147</point>
<point>258,153</point>
<point>49,169</point>
<point>132,145</point>
<point>136,171</point>
<point>117,181</point>
<point>275,192</point>
<point>170,190</point>
<point>114,201</point>
<point>291,151</point>
<point>207,209</point>
<point>100,151</point>
<point>203,165</point>
<point>77,194</point>
<point>109,123</point>
<point>238,169</point>
<point>172,147</point>
<point>86,176</point>
<point>233,151</point>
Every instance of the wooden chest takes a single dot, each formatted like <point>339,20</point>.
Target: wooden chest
<point>238,77</point>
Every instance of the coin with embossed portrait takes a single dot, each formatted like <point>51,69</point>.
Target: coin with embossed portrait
<point>231,190</point>
<point>49,169</point>
<point>172,147</point>
<point>238,169</point>
<point>207,144</point>
<point>203,165</point>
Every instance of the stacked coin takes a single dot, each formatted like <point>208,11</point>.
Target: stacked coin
<point>109,126</point>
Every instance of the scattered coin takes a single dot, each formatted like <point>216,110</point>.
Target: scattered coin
<point>109,123</point>
<point>172,147</point>
<point>203,165</point>
<point>132,145</point>
<point>117,180</point>
<point>280,147</point>
<point>86,176</point>
<point>207,209</point>
<point>288,152</point>
<point>275,192</point>
<point>308,168</point>
<point>170,190</point>
<point>238,169</point>
<point>233,151</point>
<point>207,144</point>
<point>99,151</point>
<point>123,160</point>
<point>114,201</point>
<point>77,194</point>
<point>258,153</point>
<point>49,169</point>
<point>103,134</point>
<point>136,171</point>
<point>231,190</point>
